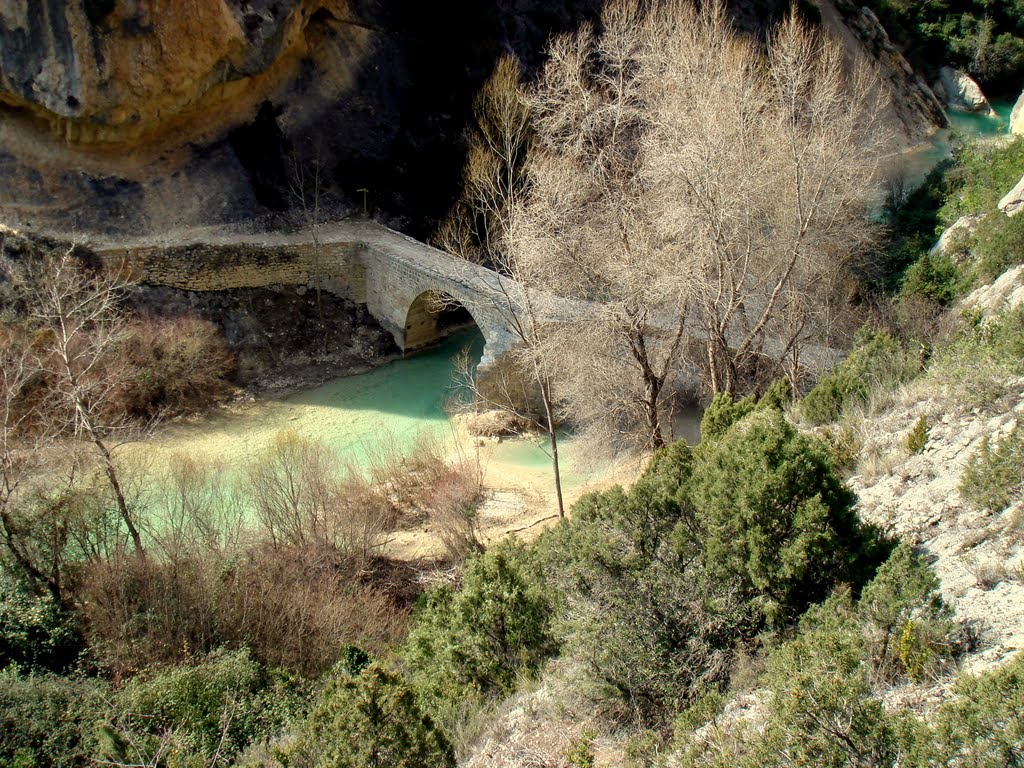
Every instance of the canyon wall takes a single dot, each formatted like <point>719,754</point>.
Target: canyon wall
<point>142,116</point>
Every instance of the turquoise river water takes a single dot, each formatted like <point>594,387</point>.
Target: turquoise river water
<point>363,418</point>
<point>915,164</point>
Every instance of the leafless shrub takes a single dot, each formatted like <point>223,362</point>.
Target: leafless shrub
<point>453,503</point>
<point>290,487</point>
<point>178,365</point>
<point>298,609</point>
<point>989,574</point>
<point>294,606</point>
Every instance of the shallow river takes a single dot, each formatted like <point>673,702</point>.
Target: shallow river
<point>916,164</point>
<point>369,416</point>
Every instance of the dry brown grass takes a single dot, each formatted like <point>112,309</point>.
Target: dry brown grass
<point>294,607</point>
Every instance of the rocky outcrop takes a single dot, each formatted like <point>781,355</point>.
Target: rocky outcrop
<point>1013,202</point>
<point>952,241</point>
<point>140,116</point>
<point>1017,116</point>
<point>959,91</point>
<point>915,112</point>
<point>105,72</point>
<point>1006,293</point>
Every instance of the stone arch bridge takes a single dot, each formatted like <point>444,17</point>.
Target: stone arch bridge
<point>418,293</point>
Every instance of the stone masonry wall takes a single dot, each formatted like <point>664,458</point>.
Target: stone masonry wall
<point>336,267</point>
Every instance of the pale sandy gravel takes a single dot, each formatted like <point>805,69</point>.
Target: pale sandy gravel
<point>518,501</point>
<point>918,496</point>
<point>919,499</point>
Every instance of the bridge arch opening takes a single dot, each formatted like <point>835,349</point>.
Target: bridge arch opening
<point>432,317</point>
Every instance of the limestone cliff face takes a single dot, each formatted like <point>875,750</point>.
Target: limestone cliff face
<point>134,116</point>
<point>145,115</point>
<point>915,111</point>
<point>101,71</point>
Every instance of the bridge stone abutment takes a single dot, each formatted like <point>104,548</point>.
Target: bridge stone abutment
<point>420,295</point>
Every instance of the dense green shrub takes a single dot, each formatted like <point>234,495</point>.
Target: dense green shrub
<point>722,412</point>
<point>370,720</point>
<point>917,437</point>
<point>777,521</point>
<point>998,244</point>
<point>778,395</point>
<point>983,726</point>
<point>478,638</point>
<point>640,615</point>
<point>49,721</point>
<point>981,175</point>
<point>983,37</point>
<point>830,395</point>
<point>908,629</point>
<point>193,712</point>
<point>934,277</point>
<point>662,582</point>
<point>36,634</point>
<point>823,710</point>
<point>821,713</point>
<point>994,476</point>
<point>877,360</point>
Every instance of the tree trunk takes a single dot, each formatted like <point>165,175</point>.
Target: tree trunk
<point>115,483</point>
<point>652,394</point>
<point>545,392</point>
<point>652,389</point>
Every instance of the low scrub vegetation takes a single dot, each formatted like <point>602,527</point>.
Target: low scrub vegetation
<point>878,361</point>
<point>994,476</point>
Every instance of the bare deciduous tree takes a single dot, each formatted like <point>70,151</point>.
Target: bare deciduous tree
<point>307,185</point>
<point>764,169</point>
<point>79,315</point>
<point>493,178</point>
<point>588,230</point>
<point>695,190</point>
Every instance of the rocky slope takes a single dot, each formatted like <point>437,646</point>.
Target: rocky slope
<point>146,115</point>
<point>977,554</point>
<point>915,112</point>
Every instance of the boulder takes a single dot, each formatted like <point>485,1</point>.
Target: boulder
<point>1017,116</point>
<point>951,241</point>
<point>1006,293</point>
<point>960,91</point>
<point>1013,202</point>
